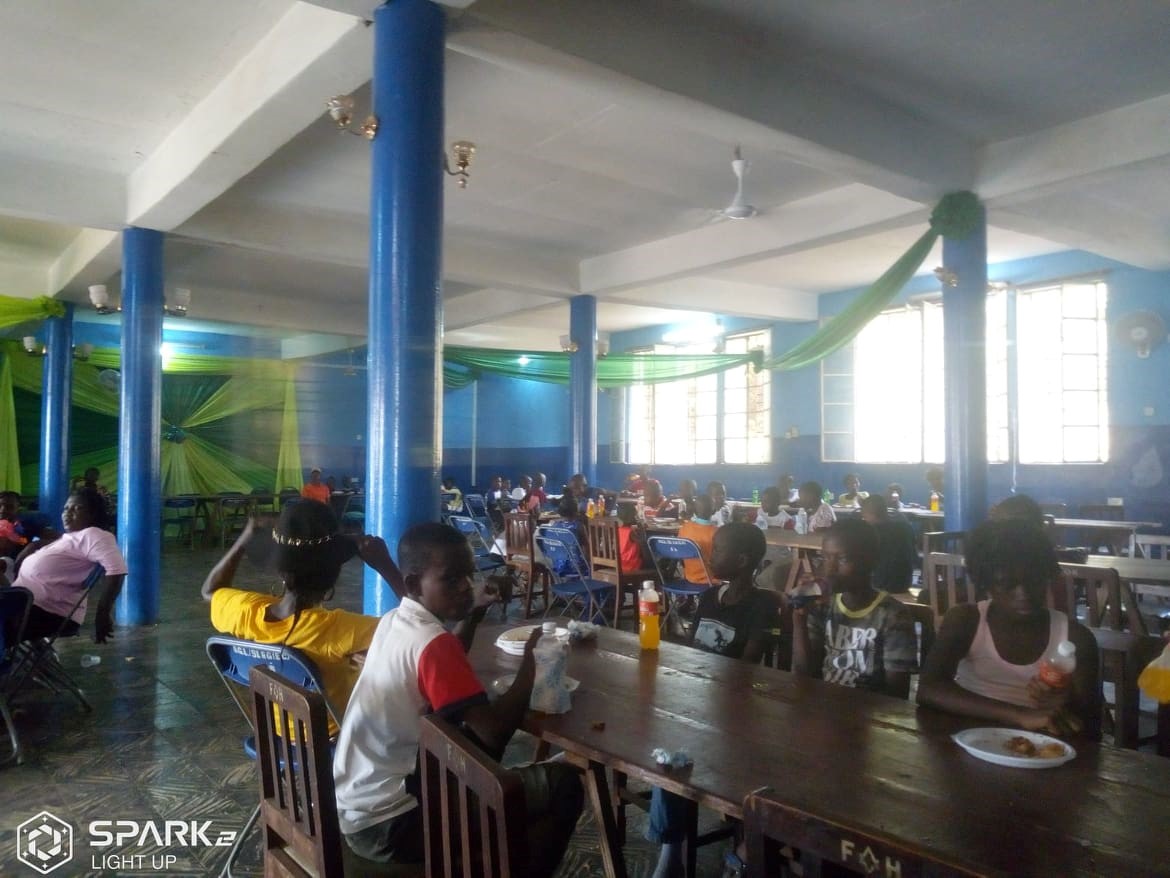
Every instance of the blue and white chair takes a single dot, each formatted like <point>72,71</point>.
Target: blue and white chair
<point>571,583</point>
<point>475,506</point>
<point>233,659</point>
<point>479,537</point>
<point>678,588</point>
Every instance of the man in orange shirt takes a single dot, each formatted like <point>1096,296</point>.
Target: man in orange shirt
<point>702,532</point>
<point>316,489</point>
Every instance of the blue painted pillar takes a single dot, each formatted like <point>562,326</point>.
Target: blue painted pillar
<point>56,398</point>
<point>406,231</point>
<point>965,359</point>
<point>140,426</point>
<point>583,388</point>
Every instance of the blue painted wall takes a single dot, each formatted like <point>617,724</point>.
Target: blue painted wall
<point>523,426</point>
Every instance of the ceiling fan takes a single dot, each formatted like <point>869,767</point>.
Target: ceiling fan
<point>739,208</point>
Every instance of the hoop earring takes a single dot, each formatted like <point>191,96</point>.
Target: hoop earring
<point>328,595</point>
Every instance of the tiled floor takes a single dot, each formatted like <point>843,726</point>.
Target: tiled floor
<point>163,743</point>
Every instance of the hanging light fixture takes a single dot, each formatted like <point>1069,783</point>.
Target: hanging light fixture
<point>463,151</point>
<point>177,306</point>
<point>34,348</point>
<point>340,108</point>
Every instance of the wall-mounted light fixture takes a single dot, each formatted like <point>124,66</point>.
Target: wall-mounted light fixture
<point>462,151</point>
<point>946,277</point>
<point>34,348</point>
<point>341,112</point>
<point>568,346</point>
<point>177,305</point>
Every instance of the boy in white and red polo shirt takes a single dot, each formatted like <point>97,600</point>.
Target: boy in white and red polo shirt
<point>415,667</point>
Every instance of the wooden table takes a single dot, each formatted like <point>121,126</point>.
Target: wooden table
<point>850,759</point>
<point>1146,576</point>
<point>1121,535</point>
<point>804,548</point>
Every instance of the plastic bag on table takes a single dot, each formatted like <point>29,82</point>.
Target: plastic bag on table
<point>548,689</point>
<point>1155,679</point>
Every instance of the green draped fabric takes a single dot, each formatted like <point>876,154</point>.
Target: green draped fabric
<point>200,393</point>
<point>615,370</point>
<point>15,311</point>
<point>954,216</point>
<point>9,454</point>
<point>288,461</point>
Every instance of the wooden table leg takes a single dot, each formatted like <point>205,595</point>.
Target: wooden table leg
<point>597,786</point>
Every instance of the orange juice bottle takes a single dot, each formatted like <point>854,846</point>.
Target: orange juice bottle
<point>648,633</point>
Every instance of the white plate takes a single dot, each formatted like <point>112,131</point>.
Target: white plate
<point>500,685</point>
<point>520,635</point>
<point>990,745</point>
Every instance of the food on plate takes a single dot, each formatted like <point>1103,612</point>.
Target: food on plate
<point>1021,746</point>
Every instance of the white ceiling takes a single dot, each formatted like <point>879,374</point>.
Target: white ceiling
<point>604,132</point>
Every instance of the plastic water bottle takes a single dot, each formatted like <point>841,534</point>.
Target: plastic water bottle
<point>648,633</point>
<point>1057,669</point>
<point>755,495</point>
<point>88,661</point>
<point>802,521</point>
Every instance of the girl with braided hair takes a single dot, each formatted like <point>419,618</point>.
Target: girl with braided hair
<point>307,550</point>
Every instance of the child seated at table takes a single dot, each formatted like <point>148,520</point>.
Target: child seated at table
<point>986,656</point>
<point>308,551</point>
<point>734,619</point>
<point>820,513</point>
<point>720,511</point>
<point>631,539</point>
<point>701,531</point>
<point>857,636</point>
<point>571,521</point>
<point>416,666</point>
<point>853,495</point>
<point>685,498</point>
<point>655,504</point>
<point>898,553</point>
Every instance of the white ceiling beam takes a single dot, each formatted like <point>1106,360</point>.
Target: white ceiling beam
<point>342,239</point>
<point>305,314</point>
<point>315,344</point>
<point>93,257</point>
<point>22,279</point>
<point>365,8</point>
<point>716,83</point>
<point>1084,223</point>
<point>486,305</point>
<point>275,91</point>
<point>57,193</point>
<point>1059,158</point>
<point>847,211</point>
<point>730,298</point>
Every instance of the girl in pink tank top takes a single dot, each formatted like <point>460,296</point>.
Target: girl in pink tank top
<point>986,657</point>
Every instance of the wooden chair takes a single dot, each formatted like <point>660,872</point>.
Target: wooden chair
<point>298,809</point>
<point>233,511</point>
<point>1110,602</point>
<point>474,815</point>
<point>771,827</point>
<point>606,561</point>
<point>944,583</point>
<point>1123,656</point>
<point>1106,542</point>
<point>520,556</point>
<point>1152,547</point>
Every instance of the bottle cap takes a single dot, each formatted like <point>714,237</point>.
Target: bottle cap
<point>647,583</point>
<point>1066,648</point>
<point>549,627</point>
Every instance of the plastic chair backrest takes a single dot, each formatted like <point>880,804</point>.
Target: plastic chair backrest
<point>579,566</point>
<point>518,534</point>
<point>234,658</point>
<point>676,549</point>
<point>475,505</point>
<point>481,544</point>
<point>562,559</point>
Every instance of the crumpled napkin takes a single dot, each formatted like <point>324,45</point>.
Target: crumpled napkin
<point>667,759</point>
<point>582,630</point>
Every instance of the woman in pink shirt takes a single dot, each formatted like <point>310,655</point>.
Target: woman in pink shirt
<point>55,571</point>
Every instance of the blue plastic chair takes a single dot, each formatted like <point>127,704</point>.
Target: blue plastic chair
<point>14,608</point>
<point>37,659</point>
<point>479,537</point>
<point>233,659</point>
<point>476,507</point>
<point>677,549</point>
<point>571,583</point>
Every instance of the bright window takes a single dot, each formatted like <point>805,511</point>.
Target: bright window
<point>883,395</point>
<point>1064,410</point>
<point>679,422</point>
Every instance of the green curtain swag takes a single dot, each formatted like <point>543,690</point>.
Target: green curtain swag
<point>15,311</point>
<point>10,478</point>
<point>205,391</point>
<point>614,370</point>
<point>955,216</point>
